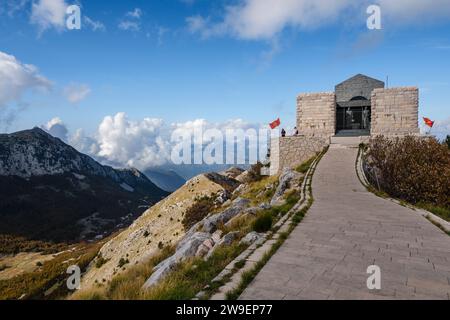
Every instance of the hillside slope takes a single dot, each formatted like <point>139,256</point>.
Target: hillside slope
<point>52,192</point>
<point>158,227</point>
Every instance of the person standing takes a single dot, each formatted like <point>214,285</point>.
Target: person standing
<point>283,133</point>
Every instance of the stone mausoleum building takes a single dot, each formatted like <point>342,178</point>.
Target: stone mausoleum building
<point>360,107</point>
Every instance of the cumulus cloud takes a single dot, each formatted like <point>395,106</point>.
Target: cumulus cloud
<point>146,143</point>
<point>76,93</point>
<point>56,128</point>
<point>16,78</point>
<point>134,143</point>
<point>265,19</point>
<point>48,14</point>
<point>83,143</point>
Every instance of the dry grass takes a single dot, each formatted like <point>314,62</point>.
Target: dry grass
<point>34,285</point>
<point>125,286</point>
<point>257,191</point>
<point>183,283</point>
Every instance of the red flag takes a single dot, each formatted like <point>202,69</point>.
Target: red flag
<point>275,124</point>
<point>428,122</point>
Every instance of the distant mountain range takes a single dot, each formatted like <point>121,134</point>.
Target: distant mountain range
<point>50,191</point>
<point>167,180</point>
<point>188,171</point>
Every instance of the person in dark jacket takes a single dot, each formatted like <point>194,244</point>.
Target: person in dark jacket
<point>283,133</point>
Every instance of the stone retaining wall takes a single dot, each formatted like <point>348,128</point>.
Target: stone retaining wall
<point>293,151</point>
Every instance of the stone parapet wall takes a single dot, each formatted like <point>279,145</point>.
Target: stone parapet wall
<point>395,111</point>
<point>274,156</point>
<point>316,114</point>
<point>293,151</point>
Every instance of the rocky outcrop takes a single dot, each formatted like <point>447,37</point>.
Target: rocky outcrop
<point>237,207</point>
<point>232,172</point>
<point>243,177</point>
<point>201,240</point>
<point>185,250</point>
<point>228,238</point>
<point>196,244</point>
<point>251,237</point>
<point>227,183</point>
<point>288,179</point>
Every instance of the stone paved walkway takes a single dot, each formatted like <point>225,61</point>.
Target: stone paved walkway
<point>346,230</point>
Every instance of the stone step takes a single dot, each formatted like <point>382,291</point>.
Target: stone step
<point>346,141</point>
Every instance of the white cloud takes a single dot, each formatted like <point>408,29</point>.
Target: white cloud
<point>83,143</point>
<point>197,24</point>
<point>94,25</point>
<point>136,13</point>
<point>143,144</point>
<point>129,26</point>
<point>16,78</point>
<point>441,128</point>
<point>265,19</point>
<point>139,144</point>
<point>56,128</point>
<point>415,11</point>
<point>132,21</point>
<point>48,14</point>
<point>12,7</point>
<point>76,93</point>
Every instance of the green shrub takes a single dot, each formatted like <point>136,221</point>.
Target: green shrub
<point>100,261</point>
<point>199,210</point>
<point>263,222</point>
<point>304,167</point>
<point>123,262</point>
<point>254,173</point>
<point>442,212</point>
<point>413,169</point>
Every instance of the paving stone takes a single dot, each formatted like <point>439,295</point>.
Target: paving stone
<point>347,229</point>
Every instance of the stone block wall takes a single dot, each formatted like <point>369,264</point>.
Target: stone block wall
<point>316,114</point>
<point>395,111</point>
<point>293,151</point>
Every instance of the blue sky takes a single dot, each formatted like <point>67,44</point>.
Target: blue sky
<point>181,60</point>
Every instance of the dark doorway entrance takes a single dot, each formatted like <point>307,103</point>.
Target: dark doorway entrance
<point>356,119</point>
